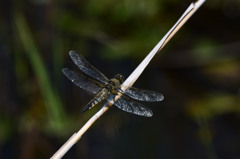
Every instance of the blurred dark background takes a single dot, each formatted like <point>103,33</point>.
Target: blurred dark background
<point>198,72</point>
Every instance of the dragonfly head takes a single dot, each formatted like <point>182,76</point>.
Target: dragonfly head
<point>120,78</point>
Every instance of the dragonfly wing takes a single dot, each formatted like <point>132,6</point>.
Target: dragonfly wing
<point>128,105</point>
<point>144,95</point>
<point>86,67</point>
<point>82,81</point>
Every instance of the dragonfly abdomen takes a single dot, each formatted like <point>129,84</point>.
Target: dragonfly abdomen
<point>98,98</point>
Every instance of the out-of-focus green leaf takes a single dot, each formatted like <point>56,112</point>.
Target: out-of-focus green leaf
<point>57,119</point>
<point>213,105</point>
<point>6,128</point>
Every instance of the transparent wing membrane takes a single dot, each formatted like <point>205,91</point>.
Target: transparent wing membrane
<point>87,68</point>
<point>82,81</point>
<point>144,95</point>
<point>128,105</point>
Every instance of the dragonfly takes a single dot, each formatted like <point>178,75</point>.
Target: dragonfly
<point>92,80</point>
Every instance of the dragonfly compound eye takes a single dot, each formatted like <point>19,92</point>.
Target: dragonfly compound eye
<point>120,78</point>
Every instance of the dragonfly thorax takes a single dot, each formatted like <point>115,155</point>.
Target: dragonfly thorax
<point>115,83</point>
